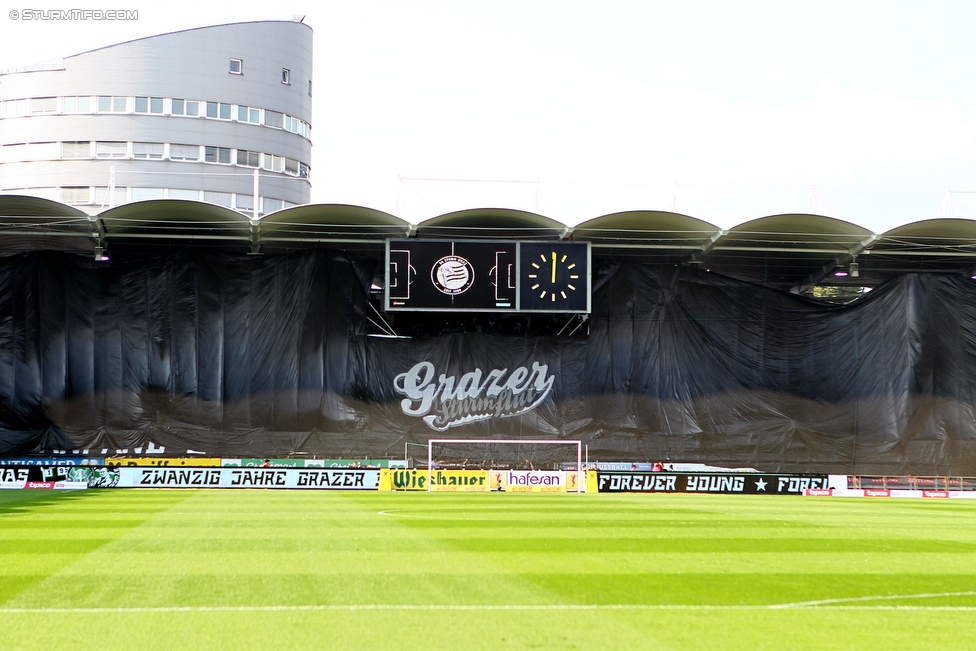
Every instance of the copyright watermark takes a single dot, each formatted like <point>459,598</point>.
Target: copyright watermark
<point>74,14</point>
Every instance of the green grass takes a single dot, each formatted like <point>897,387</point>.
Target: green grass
<point>166,569</point>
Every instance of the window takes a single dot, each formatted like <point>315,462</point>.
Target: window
<point>245,202</point>
<point>296,126</point>
<point>149,105</point>
<point>146,194</point>
<point>286,76</point>
<point>76,195</point>
<point>221,110</point>
<point>184,152</point>
<point>76,104</point>
<point>44,105</point>
<point>184,107</point>
<point>76,149</point>
<point>248,114</point>
<point>44,193</point>
<point>274,163</point>
<point>110,149</point>
<point>152,150</point>
<point>248,158</point>
<point>102,196</point>
<point>112,104</point>
<point>236,67</point>
<point>273,118</point>
<point>16,107</point>
<point>309,87</point>
<point>14,153</point>
<point>270,205</point>
<point>291,167</point>
<point>189,195</point>
<point>217,155</point>
<point>219,198</point>
<point>43,150</point>
<point>303,170</point>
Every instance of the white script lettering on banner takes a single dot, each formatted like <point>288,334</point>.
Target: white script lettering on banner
<point>449,401</point>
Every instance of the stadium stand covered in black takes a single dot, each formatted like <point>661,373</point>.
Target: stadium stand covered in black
<point>235,355</point>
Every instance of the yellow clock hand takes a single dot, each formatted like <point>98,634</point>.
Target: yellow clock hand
<point>553,267</point>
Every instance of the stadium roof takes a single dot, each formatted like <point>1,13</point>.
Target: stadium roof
<point>791,251</point>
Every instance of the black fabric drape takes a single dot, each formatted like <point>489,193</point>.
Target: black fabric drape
<point>252,356</point>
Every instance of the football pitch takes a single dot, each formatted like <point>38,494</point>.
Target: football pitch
<point>211,569</point>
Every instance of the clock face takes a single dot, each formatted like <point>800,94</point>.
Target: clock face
<point>554,276</point>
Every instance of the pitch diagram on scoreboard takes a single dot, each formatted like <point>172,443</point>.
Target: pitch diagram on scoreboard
<point>480,276</point>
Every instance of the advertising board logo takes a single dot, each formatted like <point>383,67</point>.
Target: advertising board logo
<point>450,402</point>
<point>452,275</point>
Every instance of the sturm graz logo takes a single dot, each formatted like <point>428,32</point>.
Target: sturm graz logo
<point>445,401</point>
<point>452,275</point>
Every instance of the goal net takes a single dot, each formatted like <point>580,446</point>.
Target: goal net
<point>503,454</point>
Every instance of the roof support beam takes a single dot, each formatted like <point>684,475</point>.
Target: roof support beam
<point>697,256</point>
<point>839,261</point>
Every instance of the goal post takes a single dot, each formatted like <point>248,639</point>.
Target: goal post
<point>505,454</point>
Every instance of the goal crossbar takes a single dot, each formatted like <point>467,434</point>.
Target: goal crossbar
<point>578,444</point>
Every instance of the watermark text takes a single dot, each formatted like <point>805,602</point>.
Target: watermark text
<point>74,14</point>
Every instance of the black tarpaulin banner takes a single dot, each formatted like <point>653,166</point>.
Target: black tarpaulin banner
<point>232,355</point>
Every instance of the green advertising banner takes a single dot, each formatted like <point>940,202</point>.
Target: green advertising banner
<point>309,463</point>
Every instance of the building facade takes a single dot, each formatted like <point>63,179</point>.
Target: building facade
<point>219,114</point>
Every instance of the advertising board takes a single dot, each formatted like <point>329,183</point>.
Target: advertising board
<point>306,463</point>
<point>452,481</point>
<point>277,478</point>
<point>187,462</point>
<point>744,483</point>
<point>53,461</point>
<point>532,481</point>
<point>68,477</point>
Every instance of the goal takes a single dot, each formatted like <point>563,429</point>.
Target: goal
<point>503,454</point>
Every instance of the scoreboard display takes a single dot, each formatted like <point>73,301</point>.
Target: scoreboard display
<point>482,276</point>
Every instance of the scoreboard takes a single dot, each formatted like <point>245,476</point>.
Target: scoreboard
<point>482,276</point>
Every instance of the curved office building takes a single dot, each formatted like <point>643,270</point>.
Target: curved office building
<point>218,114</point>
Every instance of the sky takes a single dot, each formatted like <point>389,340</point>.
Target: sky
<point>864,111</point>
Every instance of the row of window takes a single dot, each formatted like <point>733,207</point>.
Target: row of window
<point>99,196</point>
<point>154,106</point>
<point>40,151</point>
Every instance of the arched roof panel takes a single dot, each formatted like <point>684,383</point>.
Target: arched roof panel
<point>933,235</point>
<point>175,218</point>
<point>18,205</point>
<point>338,222</point>
<point>491,223</point>
<point>646,226</point>
<point>797,229</point>
<point>34,224</point>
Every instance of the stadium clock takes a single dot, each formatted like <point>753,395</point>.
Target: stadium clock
<point>554,276</point>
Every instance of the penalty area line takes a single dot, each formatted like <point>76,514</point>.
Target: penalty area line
<point>470,608</point>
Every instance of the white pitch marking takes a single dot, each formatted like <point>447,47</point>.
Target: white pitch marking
<point>850,600</point>
<point>449,607</point>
